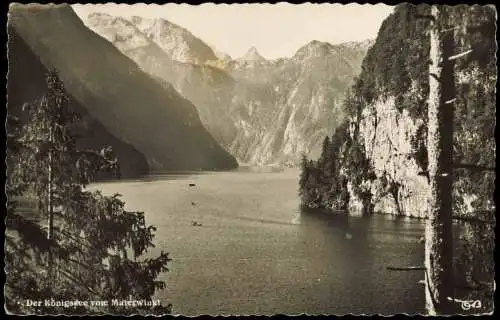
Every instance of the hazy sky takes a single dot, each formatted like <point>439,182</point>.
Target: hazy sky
<point>275,30</point>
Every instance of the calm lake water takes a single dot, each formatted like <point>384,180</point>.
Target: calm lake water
<point>256,253</point>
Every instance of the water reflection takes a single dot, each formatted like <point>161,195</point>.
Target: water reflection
<point>354,251</point>
<point>261,169</point>
<point>257,252</point>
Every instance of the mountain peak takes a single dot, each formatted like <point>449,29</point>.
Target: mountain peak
<point>135,19</point>
<point>147,24</point>
<point>360,45</point>
<point>252,55</point>
<point>318,45</point>
<point>97,18</point>
<point>178,42</point>
<point>98,15</point>
<point>314,48</point>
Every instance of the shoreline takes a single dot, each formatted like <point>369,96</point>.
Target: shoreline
<point>463,219</point>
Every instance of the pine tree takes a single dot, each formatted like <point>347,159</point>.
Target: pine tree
<point>306,181</point>
<point>84,245</point>
<point>325,146</point>
<point>322,183</point>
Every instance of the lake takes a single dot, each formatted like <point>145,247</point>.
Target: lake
<point>257,253</point>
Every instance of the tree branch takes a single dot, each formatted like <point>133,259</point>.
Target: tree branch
<point>449,29</point>
<point>472,167</point>
<point>411,268</point>
<point>425,16</point>
<point>466,166</point>
<point>454,57</point>
<point>434,76</point>
<point>77,282</point>
<point>475,219</point>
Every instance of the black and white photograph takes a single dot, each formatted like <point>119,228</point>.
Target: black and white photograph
<point>250,159</point>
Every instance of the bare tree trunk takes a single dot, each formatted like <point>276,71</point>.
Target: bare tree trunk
<point>50,226</point>
<point>438,232</point>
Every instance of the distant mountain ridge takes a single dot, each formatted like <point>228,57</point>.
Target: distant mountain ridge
<point>261,111</point>
<point>133,106</point>
<point>180,44</point>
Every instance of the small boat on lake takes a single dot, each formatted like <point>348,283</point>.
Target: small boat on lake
<point>196,224</point>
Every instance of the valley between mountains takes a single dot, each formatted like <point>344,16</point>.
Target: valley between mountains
<point>264,112</point>
<point>166,100</point>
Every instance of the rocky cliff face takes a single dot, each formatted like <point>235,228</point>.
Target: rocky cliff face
<point>302,98</point>
<point>262,111</point>
<point>386,135</point>
<point>132,106</point>
<point>387,114</point>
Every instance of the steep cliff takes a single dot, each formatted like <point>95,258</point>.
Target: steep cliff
<point>384,152</point>
<point>132,106</point>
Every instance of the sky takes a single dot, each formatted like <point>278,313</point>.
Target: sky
<point>276,30</point>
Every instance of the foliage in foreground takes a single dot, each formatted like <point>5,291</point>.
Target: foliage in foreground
<point>95,250</point>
